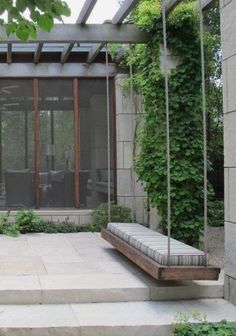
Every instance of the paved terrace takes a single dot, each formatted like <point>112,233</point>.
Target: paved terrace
<point>77,284</point>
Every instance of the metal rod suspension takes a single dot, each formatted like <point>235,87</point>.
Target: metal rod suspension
<point>167,126</point>
<point>204,121</point>
<point>108,137</point>
<point>133,136</point>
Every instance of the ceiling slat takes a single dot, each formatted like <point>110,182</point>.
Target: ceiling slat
<point>82,18</point>
<point>204,3</point>
<point>37,52</point>
<point>86,11</point>
<point>66,52</point>
<point>124,11</point>
<point>9,53</point>
<point>120,15</point>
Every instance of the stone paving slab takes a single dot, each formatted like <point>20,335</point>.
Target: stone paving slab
<point>106,319</point>
<point>81,267</point>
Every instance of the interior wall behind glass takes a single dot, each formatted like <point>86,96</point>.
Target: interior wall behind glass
<point>93,142</point>
<point>16,143</point>
<point>57,173</point>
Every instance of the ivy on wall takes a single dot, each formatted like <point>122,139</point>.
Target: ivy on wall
<point>185,116</point>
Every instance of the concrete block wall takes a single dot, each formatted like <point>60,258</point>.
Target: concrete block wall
<point>228,28</point>
<point>127,183</point>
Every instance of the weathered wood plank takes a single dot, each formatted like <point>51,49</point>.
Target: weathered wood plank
<point>88,33</point>
<point>156,270</point>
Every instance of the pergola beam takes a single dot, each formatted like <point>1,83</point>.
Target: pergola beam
<point>9,53</point>
<point>94,52</point>
<point>203,4</point>
<point>117,19</point>
<point>37,52</point>
<point>89,33</point>
<point>66,52</point>
<point>86,11</point>
<point>44,70</point>
<point>82,18</point>
<point>170,5</point>
<point>124,11</point>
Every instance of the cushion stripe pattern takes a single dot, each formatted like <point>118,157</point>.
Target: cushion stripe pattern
<point>155,245</point>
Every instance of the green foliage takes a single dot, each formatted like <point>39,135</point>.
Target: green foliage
<point>27,220</point>
<point>185,115</point>
<point>42,14</point>
<point>7,227</point>
<point>119,214</point>
<point>216,213</point>
<point>198,326</point>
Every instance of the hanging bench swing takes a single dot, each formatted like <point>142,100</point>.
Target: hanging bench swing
<point>161,256</point>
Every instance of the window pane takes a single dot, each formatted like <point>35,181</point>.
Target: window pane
<point>57,175</point>
<point>93,142</point>
<point>16,143</point>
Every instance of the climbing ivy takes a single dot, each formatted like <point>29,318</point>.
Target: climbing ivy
<point>185,116</point>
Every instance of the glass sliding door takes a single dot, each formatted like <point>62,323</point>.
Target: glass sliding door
<point>57,173</point>
<point>16,143</point>
<point>93,142</point>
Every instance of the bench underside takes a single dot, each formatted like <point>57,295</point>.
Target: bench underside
<point>157,271</point>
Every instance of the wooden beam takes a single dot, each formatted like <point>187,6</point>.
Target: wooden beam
<point>82,18</point>
<point>36,143</point>
<point>42,70</point>
<point>9,53</point>
<point>121,14</point>
<point>170,5</point>
<point>86,11</point>
<point>157,271</point>
<point>37,52</point>
<point>94,52</point>
<point>66,52</point>
<point>77,142</point>
<point>203,4</point>
<point>124,11</point>
<point>89,33</point>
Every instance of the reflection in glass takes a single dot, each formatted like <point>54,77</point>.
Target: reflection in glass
<point>93,142</point>
<point>57,174</point>
<point>16,143</point>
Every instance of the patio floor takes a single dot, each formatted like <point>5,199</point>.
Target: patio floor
<point>81,267</point>
<point>77,284</point>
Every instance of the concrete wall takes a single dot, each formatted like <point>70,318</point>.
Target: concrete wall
<point>228,29</point>
<point>126,123</point>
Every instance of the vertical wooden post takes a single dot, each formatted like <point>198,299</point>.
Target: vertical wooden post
<point>77,142</point>
<point>26,141</point>
<point>52,138</point>
<point>114,148</point>
<point>36,142</point>
<point>1,176</point>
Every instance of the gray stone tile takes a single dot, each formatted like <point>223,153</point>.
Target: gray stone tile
<point>228,27</point>
<point>230,249</point>
<point>21,266</point>
<point>230,139</point>
<point>36,316</point>
<point>232,195</point>
<point>124,127</point>
<point>72,268</point>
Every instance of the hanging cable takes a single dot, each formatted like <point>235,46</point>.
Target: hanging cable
<point>108,137</point>
<point>133,137</point>
<point>167,126</point>
<point>204,121</point>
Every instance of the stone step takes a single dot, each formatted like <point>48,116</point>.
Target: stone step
<point>97,287</point>
<point>106,319</point>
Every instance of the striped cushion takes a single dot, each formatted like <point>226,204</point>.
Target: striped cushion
<point>155,245</point>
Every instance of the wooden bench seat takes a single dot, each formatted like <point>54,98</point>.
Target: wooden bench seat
<point>148,249</point>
